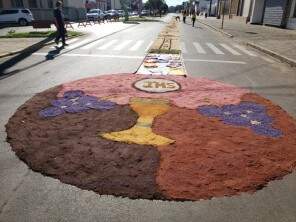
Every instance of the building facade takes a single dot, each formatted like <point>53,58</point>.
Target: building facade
<point>91,4</point>
<point>43,9</point>
<point>280,13</point>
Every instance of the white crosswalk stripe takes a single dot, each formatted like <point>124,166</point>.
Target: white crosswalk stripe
<point>231,50</point>
<point>148,46</point>
<point>122,45</point>
<point>214,49</point>
<point>78,44</point>
<point>108,44</point>
<point>243,49</point>
<point>183,47</point>
<point>139,45</point>
<point>136,46</point>
<point>93,44</point>
<point>198,48</point>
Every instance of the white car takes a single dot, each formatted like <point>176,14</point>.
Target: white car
<point>95,14</point>
<point>21,16</point>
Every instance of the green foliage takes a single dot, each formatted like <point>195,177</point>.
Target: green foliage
<point>36,34</point>
<point>159,6</point>
<point>124,4</point>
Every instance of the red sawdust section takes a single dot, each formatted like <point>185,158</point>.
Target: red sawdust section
<point>212,159</point>
<point>68,148</point>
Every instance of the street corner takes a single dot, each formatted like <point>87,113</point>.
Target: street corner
<point>155,137</point>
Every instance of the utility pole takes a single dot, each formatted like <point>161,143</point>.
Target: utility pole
<point>223,12</point>
<point>210,10</point>
<point>218,9</point>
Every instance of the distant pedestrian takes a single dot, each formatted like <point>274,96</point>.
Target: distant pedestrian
<point>193,18</point>
<point>184,16</point>
<point>60,24</point>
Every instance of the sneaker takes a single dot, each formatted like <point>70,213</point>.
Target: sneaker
<point>65,44</point>
<point>56,41</point>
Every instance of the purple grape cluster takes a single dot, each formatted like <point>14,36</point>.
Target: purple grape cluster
<point>75,101</point>
<point>247,114</point>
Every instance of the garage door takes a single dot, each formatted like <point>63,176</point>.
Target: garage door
<point>274,12</point>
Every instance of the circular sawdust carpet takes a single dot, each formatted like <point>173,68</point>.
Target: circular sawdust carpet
<point>170,138</point>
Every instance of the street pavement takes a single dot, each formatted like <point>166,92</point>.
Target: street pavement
<point>29,196</point>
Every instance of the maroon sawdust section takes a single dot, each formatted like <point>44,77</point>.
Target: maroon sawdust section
<point>212,159</point>
<point>68,148</point>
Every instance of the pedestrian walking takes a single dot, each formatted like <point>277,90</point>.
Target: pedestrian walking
<point>184,16</point>
<point>193,18</point>
<point>60,24</point>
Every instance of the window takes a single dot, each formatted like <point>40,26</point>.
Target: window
<point>1,4</point>
<point>9,12</point>
<point>25,11</point>
<point>17,3</point>
<point>33,4</point>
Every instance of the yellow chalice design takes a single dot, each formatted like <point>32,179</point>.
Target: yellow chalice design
<point>141,132</point>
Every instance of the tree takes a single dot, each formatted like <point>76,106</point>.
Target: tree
<point>157,5</point>
<point>124,4</point>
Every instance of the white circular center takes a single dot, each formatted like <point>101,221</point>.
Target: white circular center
<point>157,85</point>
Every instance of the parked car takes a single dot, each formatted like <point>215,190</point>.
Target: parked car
<point>121,13</point>
<point>134,13</point>
<point>21,16</point>
<point>95,14</point>
<point>144,12</point>
<point>112,13</point>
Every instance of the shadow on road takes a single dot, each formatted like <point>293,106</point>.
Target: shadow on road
<point>25,53</point>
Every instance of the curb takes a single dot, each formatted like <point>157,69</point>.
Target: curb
<point>282,58</point>
<point>29,49</point>
<point>216,29</point>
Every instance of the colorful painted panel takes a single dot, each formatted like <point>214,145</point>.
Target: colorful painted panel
<point>162,64</point>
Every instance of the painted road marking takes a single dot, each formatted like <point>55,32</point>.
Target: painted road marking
<point>198,48</point>
<point>76,45</point>
<point>148,46</point>
<point>243,49</point>
<point>136,46</point>
<point>122,45</point>
<point>214,49</point>
<point>231,50</point>
<point>183,47</point>
<point>134,57</point>
<point>214,61</point>
<point>108,44</point>
<point>89,55</point>
<point>92,44</point>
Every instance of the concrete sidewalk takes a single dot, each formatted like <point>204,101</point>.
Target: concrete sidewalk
<point>276,42</point>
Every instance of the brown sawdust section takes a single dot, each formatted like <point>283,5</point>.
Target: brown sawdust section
<point>68,148</point>
<point>168,40</point>
<point>212,159</point>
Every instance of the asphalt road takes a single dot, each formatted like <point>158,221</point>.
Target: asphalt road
<point>29,196</point>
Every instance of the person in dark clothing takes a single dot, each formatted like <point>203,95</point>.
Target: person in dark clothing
<point>193,17</point>
<point>59,22</point>
<point>184,16</point>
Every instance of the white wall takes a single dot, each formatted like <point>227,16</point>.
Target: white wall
<point>75,3</point>
<point>246,9</point>
<point>257,12</point>
<point>115,4</point>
